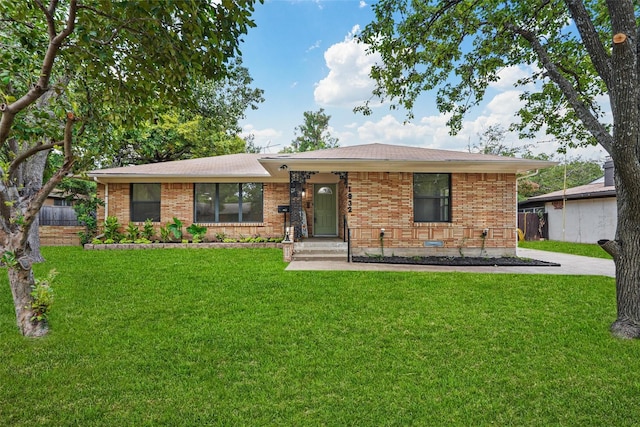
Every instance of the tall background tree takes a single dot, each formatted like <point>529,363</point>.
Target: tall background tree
<point>70,70</point>
<point>208,126</point>
<point>579,52</point>
<point>571,172</point>
<point>492,141</point>
<point>313,134</point>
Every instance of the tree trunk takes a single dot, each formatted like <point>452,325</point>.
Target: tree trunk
<point>626,254</point>
<point>624,95</point>
<point>627,323</point>
<point>21,277</point>
<point>33,242</point>
<point>21,281</point>
<point>31,174</point>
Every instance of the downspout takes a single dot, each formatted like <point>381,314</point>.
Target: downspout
<point>564,200</point>
<point>106,196</point>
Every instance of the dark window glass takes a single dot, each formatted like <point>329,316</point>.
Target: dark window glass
<point>145,202</point>
<point>225,202</point>
<point>252,202</point>
<point>229,202</point>
<point>205,199</point>
<point>62,202</point>
<point>431,197</point>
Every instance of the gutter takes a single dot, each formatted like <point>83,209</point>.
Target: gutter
<point>529,176</point>
<point>106,196</point>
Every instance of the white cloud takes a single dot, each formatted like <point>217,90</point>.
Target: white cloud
<point>316,45</point>
<point>505,104</point>
<point>431,131</point>
<point>389,130</point>
<point>363,4</point>
<point>264,138</point>
<point>509,76</point>
<point>348,83</point>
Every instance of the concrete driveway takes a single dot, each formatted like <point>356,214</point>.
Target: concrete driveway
<point>569,265</point>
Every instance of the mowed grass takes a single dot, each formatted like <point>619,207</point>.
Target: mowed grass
<point>584,249</point>
<point>227,337</point>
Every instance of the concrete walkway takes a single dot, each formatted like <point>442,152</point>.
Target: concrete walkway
<point>569,265</point>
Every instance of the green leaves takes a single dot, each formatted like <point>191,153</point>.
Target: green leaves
<point>121,56</point>
<point>175,228</point>
<point>313,134</point>
<point>42,297</point>
<point>459,47</point>
<point>5,77</point>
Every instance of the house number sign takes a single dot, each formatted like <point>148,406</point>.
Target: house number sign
<point>349,197</point>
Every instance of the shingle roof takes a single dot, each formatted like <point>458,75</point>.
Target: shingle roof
<point>232,165</point>
<point>369,157</point>
<point>394,158</point>
<point>391,152</point>
<point>588,191</point>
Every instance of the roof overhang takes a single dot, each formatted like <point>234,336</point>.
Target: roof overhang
<point>573,196</point>
<point>145,178</point>
<point>280,166</point>
<point>245,167</point>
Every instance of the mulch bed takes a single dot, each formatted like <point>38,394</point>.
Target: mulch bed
<point>456,261</point>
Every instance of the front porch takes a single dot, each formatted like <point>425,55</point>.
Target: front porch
<point>318,204</point>
<point>320,249</point>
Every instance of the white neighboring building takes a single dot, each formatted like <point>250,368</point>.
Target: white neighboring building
<point>583,214</point>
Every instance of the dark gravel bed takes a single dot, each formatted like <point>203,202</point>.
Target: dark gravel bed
<point>457,261</point>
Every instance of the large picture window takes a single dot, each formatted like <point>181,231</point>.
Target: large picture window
<point>222,202</point>
<point>431,197</point>
<point>145,202</point>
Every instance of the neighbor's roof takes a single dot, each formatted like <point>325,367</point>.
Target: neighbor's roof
<point>588,191</point>
<point>357,158</point>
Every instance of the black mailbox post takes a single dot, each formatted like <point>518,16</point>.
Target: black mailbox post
<point>284,209</point>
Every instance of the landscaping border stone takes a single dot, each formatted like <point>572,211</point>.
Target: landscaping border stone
<point>132,246</point>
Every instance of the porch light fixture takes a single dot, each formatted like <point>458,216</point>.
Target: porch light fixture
<point>325,190</point>
<point>304,193</point>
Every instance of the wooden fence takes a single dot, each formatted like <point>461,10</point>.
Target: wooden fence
<point>534,226</point>
<point>58,215</point>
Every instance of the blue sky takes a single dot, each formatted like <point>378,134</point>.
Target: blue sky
<point>302,54</point>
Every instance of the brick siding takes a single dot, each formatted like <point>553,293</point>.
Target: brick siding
<point>57,235</point>
<point>378,200</point>
<point>176,200</point>
<point>479,201</point>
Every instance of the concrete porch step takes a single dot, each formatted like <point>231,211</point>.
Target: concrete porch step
<point>320,245</point>
<point>320,257</point>
<point>320,250</point>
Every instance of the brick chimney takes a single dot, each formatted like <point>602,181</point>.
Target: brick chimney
<point>608,173</point>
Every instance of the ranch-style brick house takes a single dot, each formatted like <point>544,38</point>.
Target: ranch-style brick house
<point>429,202</point>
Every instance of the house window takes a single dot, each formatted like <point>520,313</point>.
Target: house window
<point>145,202</point>
<point>62,202</point>
<point>224,202</point>
<point>431,197</point>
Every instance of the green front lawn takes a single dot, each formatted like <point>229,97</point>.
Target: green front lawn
<point>584,249</point>
<point>227,337</point>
